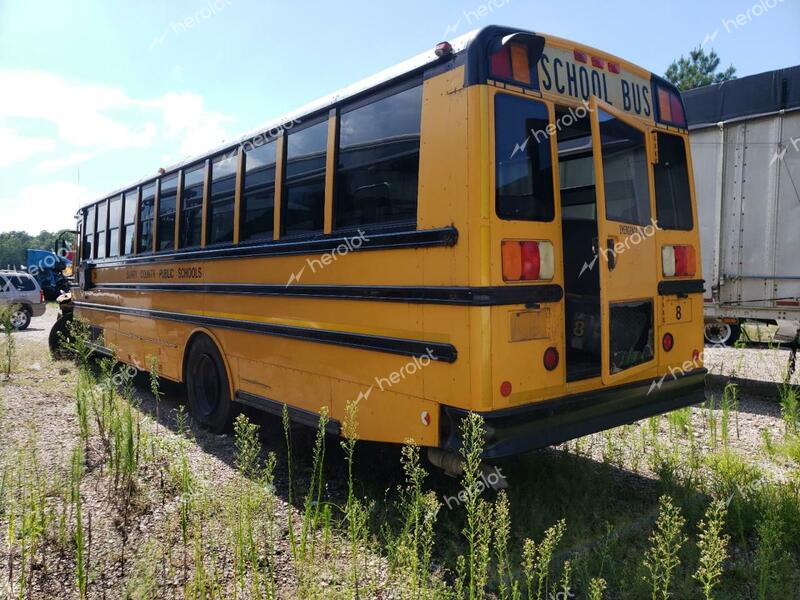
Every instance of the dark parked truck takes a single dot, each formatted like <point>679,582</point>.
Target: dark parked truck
<point>52,268</point>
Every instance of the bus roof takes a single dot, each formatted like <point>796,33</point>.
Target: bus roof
<point>384,77</point>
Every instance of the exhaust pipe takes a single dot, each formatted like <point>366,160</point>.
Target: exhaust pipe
<point>453,465</point>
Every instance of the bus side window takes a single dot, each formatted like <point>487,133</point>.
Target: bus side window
<point>100,240</point>
<point>146,215</point>
<point>221,198</point>
<point>673,193</point>
<point>166,212</point>
<point>129,221</point>
<point>114,217</point>
<point>88,233</point>
<point>192,206</point>
<point>258,192</point>
<point>377,171</point>
<point>303,207</point>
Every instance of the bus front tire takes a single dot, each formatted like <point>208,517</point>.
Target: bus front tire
<point>207,385</point>
<point>59,337</point>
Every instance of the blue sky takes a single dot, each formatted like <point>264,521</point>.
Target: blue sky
<point>96,94</point>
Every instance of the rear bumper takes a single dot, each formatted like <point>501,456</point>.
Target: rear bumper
<point>37,310</point>
<point>520,429</point>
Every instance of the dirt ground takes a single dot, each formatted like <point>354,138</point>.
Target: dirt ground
<point>37,407</point>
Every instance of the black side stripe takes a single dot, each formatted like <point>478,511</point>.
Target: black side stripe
<point>466,296</point>
<point>298,415</point>
<point>407,347</point>
<point>682,286</point>
<point>426,238</point>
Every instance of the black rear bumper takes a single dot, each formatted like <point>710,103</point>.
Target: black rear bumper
<point>519,429</point>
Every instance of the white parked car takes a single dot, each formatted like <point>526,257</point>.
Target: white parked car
<point>21,291</point>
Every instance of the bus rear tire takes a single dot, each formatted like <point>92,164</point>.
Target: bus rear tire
<point>207,386</point>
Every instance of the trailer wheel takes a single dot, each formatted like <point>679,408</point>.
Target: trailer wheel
<point>207,386</point>
<point>722,334</point>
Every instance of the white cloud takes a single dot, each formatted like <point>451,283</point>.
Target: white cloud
<point>15,148</point>
<point>186,119</point>
<point>56,164</point>
<point>50,206</point>
<point>91,119</point>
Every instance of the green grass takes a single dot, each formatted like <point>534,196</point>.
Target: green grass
<point>637,512</point>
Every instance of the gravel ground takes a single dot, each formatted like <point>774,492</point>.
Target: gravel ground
<point>37,406</point>
<point>758,364</point>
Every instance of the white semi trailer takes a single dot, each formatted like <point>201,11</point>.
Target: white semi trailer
<point>745,139</point>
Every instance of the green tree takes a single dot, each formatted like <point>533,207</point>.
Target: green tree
<point>697,70</point>
<point>14,243</point>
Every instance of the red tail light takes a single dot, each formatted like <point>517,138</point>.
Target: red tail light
<point>505,389</point>
<point>527,260</point>
<point>668,342</point>
<point>501,63</point>
<point>550,358</point>
<point>531,260</point>
<point>41,296</point>
<point>679,261</point>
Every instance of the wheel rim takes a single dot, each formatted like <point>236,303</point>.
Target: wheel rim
<point>208,385</point>
<point>718,333</point>
<point>18,319</point>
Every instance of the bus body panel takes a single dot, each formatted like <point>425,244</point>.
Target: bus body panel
<point>421,329</point>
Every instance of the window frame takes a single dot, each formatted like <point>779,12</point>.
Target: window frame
<point>135,193</point>
<point>361,102</point>
<point>153,219</point>
<point>686,154</point>
<point>159,215</point>
<point>90,233</point>
<point>97,231</point>
<point>241,190</point>
<point>119,197</point>
<point>203,166</point>
<point>207,197</point>
<point>286,181</point>
<point>549,143</point>
<point>647,170</point>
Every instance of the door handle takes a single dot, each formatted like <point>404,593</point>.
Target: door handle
<point>611,256</point>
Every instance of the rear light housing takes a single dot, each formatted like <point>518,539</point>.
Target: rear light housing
<point>527,260</point>
<point>679,261</point>
<point>668,342</point>
<point>41,296</point>
<point>670,107</point>
<point>513,59</point>
<point>550,358</point>
<point>443,49</point>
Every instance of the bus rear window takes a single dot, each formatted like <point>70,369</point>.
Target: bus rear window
<point>673,194</point>
<point>524,162</point>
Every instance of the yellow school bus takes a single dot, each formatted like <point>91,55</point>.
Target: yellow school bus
<point>505,224</point>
